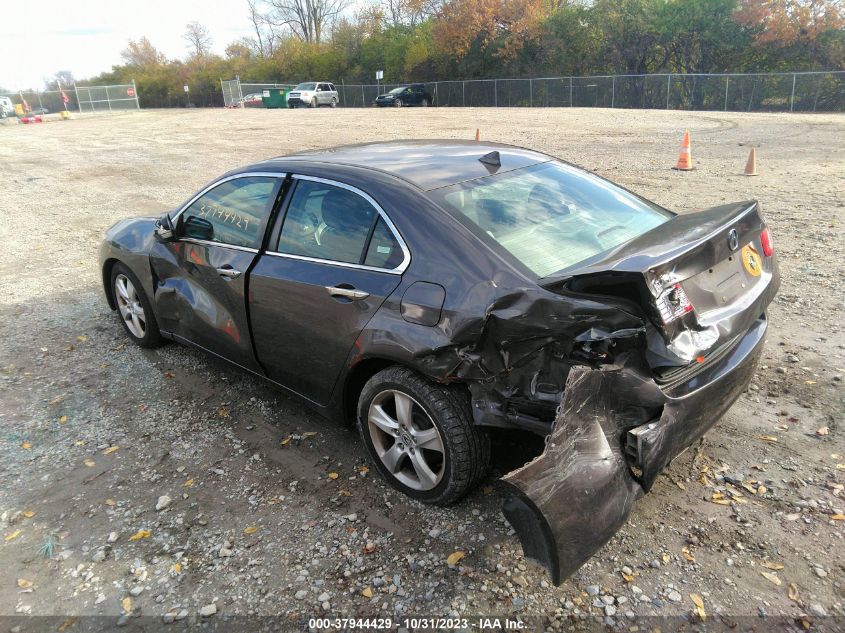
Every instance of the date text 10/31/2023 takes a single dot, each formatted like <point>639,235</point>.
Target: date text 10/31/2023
<point>417,624</point>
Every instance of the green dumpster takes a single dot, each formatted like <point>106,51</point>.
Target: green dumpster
<point>275,97</point>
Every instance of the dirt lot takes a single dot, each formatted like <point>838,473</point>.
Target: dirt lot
<point>93,431</point>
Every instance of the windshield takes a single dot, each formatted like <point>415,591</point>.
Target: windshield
<point>551,216</point>
<point>396,91</point>
<point>306,87</point>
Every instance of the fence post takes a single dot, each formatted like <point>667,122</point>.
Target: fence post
<point>463,93</point>
<point>727,79</point>
<point>40,105</point>
<point>570,92</point>
<point>668,86</point>
<point>240,92</point>
<point>792,97</point>
<point>78,102</point>
<point>496,92</point>
<point>531,93</point>
<point>613,92</point>
<point>363,98</point>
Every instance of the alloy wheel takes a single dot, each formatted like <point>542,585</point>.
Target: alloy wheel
<point>406,440</point>
<point>129,305</point>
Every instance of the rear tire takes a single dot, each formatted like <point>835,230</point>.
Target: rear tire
<point>334,102</point>
<point>421,437</point>
<point>424,103</point>
<point>134,309</point>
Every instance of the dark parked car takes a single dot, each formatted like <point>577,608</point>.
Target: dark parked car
<point>413,95</point>
<point>430,290</point>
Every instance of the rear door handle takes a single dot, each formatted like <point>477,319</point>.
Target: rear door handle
<point>229,273</point>
<point>349,293</point>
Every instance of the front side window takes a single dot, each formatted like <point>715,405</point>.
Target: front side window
<point>230,213</point>
<point>551,216</point>
<point>330,223</point>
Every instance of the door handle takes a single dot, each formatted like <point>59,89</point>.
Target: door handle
<point>349,293</point>
<point>229,273</point>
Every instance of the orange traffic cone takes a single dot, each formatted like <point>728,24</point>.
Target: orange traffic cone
<point>751,165</point>
<point>477,134</point>
<point>685,156</point>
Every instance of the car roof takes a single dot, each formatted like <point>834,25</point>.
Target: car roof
<point>428,164</point>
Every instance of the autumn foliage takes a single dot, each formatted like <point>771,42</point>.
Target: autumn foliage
<point>423,40</point>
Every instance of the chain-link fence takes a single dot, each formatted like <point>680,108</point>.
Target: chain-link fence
<point>764,92</point>
<point>107,98</point>
<point>44,101</point>
<point>77,99</point>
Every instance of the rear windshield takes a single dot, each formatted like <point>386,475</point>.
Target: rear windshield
<point>551,216</point>
<point>305,87</point>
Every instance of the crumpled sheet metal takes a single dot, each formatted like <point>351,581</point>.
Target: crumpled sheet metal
<point>570,500</point>
<point>527,338</point>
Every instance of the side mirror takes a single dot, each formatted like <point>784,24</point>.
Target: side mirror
<point>198,228</point>
<point>164,228</point>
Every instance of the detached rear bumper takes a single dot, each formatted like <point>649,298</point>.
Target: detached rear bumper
<point>569,501</point>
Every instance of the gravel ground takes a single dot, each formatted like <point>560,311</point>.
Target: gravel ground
<point>166,485</point>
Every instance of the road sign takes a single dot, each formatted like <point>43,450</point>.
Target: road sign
<point>379,74</point>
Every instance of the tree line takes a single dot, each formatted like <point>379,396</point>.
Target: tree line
<point>424,40</point>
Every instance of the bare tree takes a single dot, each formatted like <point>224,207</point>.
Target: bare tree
<point>266,36</point>
<point>61,78</point>
<point>410,12</point>
<point>142,53</point>
<point>198,38</point>
<point>309,20</point>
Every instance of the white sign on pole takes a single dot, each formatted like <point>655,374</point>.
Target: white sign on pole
<point>379,74</point>
<point>185,88</point>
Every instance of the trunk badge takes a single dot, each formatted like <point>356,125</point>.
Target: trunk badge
<point>733,239</point>
<point>751,260</point>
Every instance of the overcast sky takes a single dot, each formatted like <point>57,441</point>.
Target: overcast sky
<point>37,39</point>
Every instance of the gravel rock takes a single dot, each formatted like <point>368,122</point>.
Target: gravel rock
<point>163,502</point>
<point>208,610</point>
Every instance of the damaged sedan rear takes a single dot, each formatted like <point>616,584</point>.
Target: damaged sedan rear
<point>431,290</point>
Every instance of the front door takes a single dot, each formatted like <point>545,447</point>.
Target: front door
<point>327,270</point>
<point>201,276</point>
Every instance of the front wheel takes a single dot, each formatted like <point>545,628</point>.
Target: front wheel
<point>313,102</point>
<point>421,436</point>
<point>398,103</point>
<point>136,313</point>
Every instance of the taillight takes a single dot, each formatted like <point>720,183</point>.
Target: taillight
<point>766,242</point>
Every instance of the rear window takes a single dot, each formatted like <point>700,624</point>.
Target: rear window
<point>551,216</point>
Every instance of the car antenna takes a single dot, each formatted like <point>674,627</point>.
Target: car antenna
<point>492,159</point>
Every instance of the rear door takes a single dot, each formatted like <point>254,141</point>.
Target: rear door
<point>332,260</point>
<point>201,276</point>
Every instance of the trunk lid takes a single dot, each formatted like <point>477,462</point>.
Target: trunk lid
<point>703,279</point>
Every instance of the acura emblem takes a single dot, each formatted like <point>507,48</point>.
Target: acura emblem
<point>733,239</point>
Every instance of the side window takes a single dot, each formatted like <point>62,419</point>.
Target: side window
<point>326,222</point>
<point>384,250</point>
<point>332,88</point>
<point>230,213</point>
